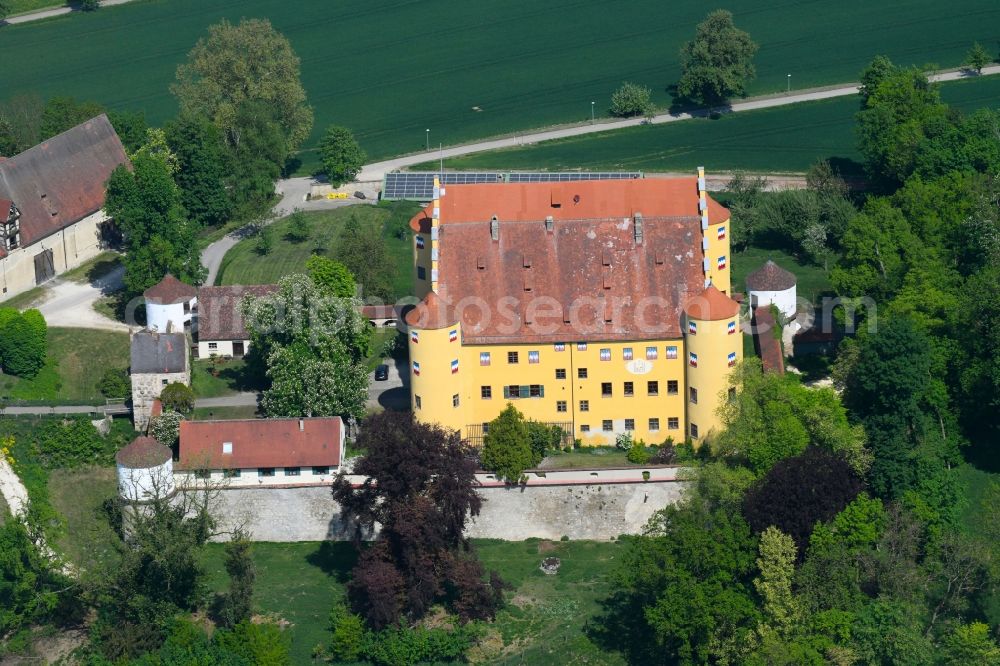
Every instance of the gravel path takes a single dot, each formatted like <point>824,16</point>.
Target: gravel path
<point>71,304</point>
<point>13,491</point>
<point>55,11</point>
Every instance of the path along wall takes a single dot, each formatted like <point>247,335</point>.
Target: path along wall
<point>545,508</point>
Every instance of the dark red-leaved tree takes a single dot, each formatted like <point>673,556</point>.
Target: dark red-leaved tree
<point>420,488</point>
<point>800,491</point>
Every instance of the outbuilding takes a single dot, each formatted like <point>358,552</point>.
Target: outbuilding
<point>145,470</point>
<point>772,285</point>
<point>169,305</point>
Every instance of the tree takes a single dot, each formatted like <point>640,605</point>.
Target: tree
<point>971,644</point>
<point>145,205</point>
<point>776,564</point>
<point>800,491</point>
<point>420,487</point>
<point>20,123</point>
<point>64,113</point>
<point>364,252</point>
<point>4,8</point>
<point>90,5</point>
<point>298,226</point>
<point>23,345</point>
<point>506,448</point>
<point>265,241</point>
<point>131,128</point>
<point>237,604</point>
<point>166,428</point>
<point>115,383</point>
<point>718,62</point>
<point>977,58</point>
<point>631,99</point>
<point>203,171</point>
<point>178,397</point>
<point>332,277</point>
<point>32,590</point>
<point>300,333</point>
<point>237,65</point>
<point>341,155</point>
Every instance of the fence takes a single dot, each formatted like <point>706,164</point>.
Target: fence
<point>474,432</point>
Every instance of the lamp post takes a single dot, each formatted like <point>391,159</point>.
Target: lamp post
<point>427,136</point>
<point>591,113</point>
<point>789,83</point>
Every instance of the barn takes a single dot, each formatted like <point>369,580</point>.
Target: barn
<point>51,200</point>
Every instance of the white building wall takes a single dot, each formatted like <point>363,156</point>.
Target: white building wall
<point>140,485</point>
<point>70,247</point>
<point>222,348</point>
<point>169,318</point>
<point>784,300</point>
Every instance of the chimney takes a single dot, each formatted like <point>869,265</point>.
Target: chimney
<point>302,425</point>
<point>494,228</point>
<point>549,224</point>
<point>637,228</point>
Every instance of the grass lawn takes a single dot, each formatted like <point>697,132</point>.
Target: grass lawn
<point>244,265</point>
<point>231,377</point>
<point>77,357</point>
<point>94,269</point>
<point>78,495</point>
<point>391,70</point>
<point>22,6</point>
<point>542,623</point>
<point>588,456</point>
<point>27,299</point>
<point>811,280</point>
<point>224,413</point>
<point>785,139</point>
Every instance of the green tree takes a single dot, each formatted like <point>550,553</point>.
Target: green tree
<point>4,8</point>
<point>298,226</point>
<point>506,448</point>
<point>718,62</point>
<point>364,252</point>
<point>131,127</point>
<point>245,63</point>
<point>20,123</point>
<point>64,113</point>
<point>265,241</point>
<point>898,115</point>
<point>348,633</point>
<point>631,99</point>
<point>237,604</point>
<point>776,563</point>
<point>332,277</point>
<point>341,155</point>
<point>203,171</point>
<point>90,5</point>
<point>166,427</point>
<point>178,397</point>
<point>971,644</point>
<point>313,347</point>
<point>23,344</point>
<point>145,204</point>
<point>115,383</point>
<point>977,58</point>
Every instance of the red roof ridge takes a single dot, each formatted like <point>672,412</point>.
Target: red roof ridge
<point>711,305</point>
<point>169,291</point>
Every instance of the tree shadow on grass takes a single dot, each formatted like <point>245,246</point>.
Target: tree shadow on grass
<point>246,378</point>
<point>334,558</point>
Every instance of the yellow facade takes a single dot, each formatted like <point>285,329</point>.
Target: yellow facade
<point>650,381</point>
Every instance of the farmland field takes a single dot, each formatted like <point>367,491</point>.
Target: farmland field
<point>390,70</point>
<point>783,139</point>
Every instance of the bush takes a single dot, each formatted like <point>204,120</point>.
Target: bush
<point>265,241</point>
<point>665,455</point>
<point>507,450</point>
<point>637,454</point>
<point>298,227</point>
<point>403,646</point>
<point>631,100</point>
<point>166,428</point>
<point>23,342</point>
<point>90,5</point>
<point>623,442</point>
<point>177,397</point>
<point>115,383</point>
<point>348,634</point>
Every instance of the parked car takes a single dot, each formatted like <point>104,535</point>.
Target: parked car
<point>382,373</point>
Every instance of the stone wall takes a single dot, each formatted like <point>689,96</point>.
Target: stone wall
<point>585,511</point>
<point>146,387</point>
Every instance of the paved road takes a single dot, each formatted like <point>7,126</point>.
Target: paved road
<point>392,393</point>
<point>55,11</point>
<point>376,170</point>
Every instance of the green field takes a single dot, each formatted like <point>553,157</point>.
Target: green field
<point>244,265</point>
<point>783,139</point>
<point>543,622</point>
<point>77,357</point>
<point>390,70</point>
<point>211,379</point>
<point>21,6</point>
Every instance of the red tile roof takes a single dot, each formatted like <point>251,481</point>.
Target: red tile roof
<point>770,277</point>
<point>169,291</point>
<point>432,313</point>
<point>588,268</point>
<point>308,442</point>
<point>62,180</point>
<point>144,452</point>
<point>711,305</point>
<point>219,315</point>
<point>387,311</point>
<point>769,346</point>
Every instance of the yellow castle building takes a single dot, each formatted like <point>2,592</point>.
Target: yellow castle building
<point>602,306</point>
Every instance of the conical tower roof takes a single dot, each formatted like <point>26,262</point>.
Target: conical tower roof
<point>770,277</point>
<point>711,305</point>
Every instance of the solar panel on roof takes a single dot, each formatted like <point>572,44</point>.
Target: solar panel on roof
<point>419,186</point>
